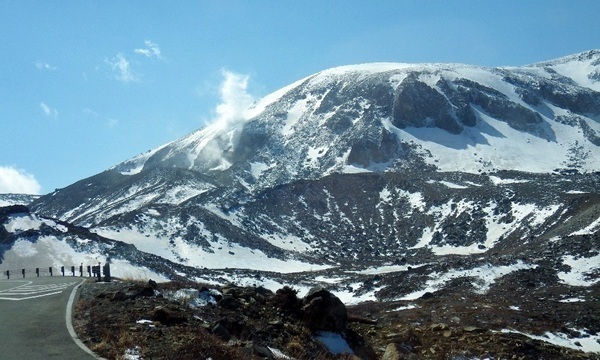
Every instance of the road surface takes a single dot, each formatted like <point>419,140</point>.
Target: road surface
<point>33,319</point>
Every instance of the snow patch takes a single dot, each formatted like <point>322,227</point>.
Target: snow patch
<point>314,153</point>
<point>406,307</point>
<point>500,181</point>
<point>334,342</point>
<point>134,353</point>
<point>385,269</point>
<point>452,185</point>
<point>584,271</point>
<point>258,168</point>
<point>179,194</point>
<point>153,212</point>
<point>351,297</point>
<point>415,199</point>
<point>293,116</point>
<point>136,164</point>
<point>352,169</point>
<point>572,300</point>
<point>586,343</point>
<point>193,297</point>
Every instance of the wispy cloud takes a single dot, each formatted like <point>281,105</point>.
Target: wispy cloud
<point>48,111</point>
<point>17,181</point>
<point>151,50</point>
<point>111,123</point>
<point>122,68</point>
<point>90,112</point>
<point>44,66</point>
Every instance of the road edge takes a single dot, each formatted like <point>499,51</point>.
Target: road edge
<point>69,321</point>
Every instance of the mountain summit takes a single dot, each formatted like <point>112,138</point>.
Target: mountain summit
<point>385,117</point>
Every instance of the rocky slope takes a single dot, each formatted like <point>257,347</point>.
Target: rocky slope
<point>379,181</point>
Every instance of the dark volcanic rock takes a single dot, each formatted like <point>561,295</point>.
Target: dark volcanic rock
<point>324,311</point>
<point>168,317</point>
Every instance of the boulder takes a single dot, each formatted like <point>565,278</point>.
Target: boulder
<point>229,302</point>
<point>324,311</point>
<point>152,284</point>
<point>165,317</point>
<point>286,300</point>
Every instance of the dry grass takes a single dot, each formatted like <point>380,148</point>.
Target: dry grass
<point>109,327</point>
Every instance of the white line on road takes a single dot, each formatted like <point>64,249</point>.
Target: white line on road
<point>21,292</point>
<point>29,297</point>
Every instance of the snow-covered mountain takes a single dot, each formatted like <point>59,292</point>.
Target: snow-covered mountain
<point>367,165</point>
<point>386,118</point>
<point>390,182</point>
<point>383,117</point>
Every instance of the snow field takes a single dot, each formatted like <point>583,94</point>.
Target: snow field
<point>484,275</point>
<point>495,228</point>
<point>224,254</point>
<point>587,342</point>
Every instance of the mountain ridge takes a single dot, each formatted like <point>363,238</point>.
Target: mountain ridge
<point>406,116</point>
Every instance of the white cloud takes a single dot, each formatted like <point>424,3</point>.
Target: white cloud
<point>44,66</point>
<point>121,66</point>
<point>48,111</point>
<point>151,50</point>
<point>17,181</point>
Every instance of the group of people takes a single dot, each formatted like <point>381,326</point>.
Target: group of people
<point>99,270</point>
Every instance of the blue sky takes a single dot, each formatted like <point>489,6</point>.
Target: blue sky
<point>85,85</point>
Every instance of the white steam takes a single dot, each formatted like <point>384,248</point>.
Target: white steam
<point>210,147</point>
<point>233,110</point>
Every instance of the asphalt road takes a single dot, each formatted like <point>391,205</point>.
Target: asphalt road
<point>33,319</point>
